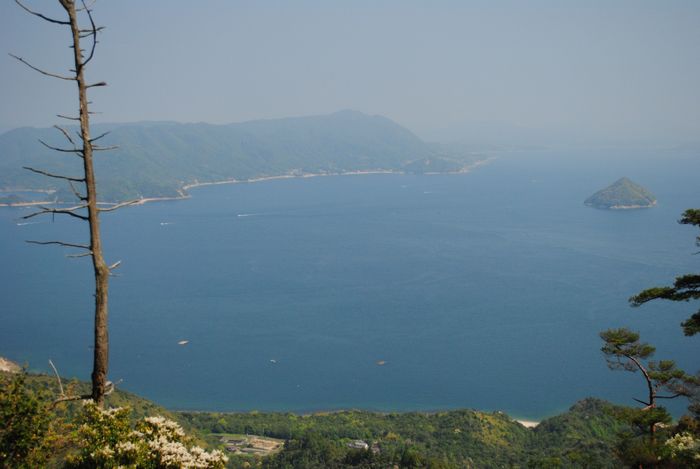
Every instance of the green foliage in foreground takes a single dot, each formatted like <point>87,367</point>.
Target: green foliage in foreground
<point>685,288</point>
<point>592,434</point>
<point>585,436</point>
<point>36,431</point>
<point>46,387</point>
<point>24,425</point>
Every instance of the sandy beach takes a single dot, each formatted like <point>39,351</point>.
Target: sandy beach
<point>528,423</point>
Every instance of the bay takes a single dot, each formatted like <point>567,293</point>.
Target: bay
<point>484,290</point>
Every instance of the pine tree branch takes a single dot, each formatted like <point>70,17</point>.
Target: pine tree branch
<point>670,397</point>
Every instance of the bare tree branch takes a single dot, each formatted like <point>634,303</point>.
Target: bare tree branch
<point>43,72</point>
<point>62,150</point>
<point>51,175</point>
<point>101,83</point>
<point>100,136</point>
<point>43,17</point>
<point>60,386</point>
<point>61,243</point>
<point>65,134</point>
<point>83,397</point>
<point>62,397</point>
<point>68,117</point>
<point>61,211</point>
<point>80,196</point>
<point>121,205</point>
<point>92,4</point>
<point>84,254</point>
<point>98,148</point>
<point>115,265</point>
<point>94,37</point>
<point>89,32</point>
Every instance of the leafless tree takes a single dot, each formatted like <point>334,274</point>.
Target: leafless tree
<point>83,186</point>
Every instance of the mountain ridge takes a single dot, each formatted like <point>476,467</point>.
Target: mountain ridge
<point>161,159</point>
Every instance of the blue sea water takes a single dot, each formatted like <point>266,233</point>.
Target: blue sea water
<point>484,290</point>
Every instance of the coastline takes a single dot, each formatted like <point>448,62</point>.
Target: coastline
<point>290,175</point>
<point>621,207</point>
<point>27,204</point>
<point>632,207</point>
<point>527,423</point>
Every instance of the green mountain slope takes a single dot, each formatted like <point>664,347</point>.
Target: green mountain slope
<point>584,436</point>
<point>622,194</point>
<point>159,159</point>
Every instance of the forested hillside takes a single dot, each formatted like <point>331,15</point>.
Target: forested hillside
<point>585,436</point>
<point>158,159</point>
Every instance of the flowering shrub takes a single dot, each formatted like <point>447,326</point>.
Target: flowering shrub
<point>107,440</point>
<point>684,447</point>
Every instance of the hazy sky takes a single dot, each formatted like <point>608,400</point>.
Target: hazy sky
<point>445,69</point>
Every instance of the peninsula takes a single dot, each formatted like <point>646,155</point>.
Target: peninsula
<point>162,160</point>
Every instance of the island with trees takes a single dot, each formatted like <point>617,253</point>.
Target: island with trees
<point>623,194</point>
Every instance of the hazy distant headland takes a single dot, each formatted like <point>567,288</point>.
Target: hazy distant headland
<point>623,194</point>
<point>164,159</point>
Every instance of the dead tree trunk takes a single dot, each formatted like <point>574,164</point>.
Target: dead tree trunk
<point>87,209</point>
<point>101,351</point>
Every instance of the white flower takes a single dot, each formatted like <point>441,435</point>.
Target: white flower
<point>684,443</point>
<point>126,446</point>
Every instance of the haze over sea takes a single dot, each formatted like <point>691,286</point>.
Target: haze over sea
<point>484,290</point>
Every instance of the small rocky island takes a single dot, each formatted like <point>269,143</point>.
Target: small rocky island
<point>621,195</point>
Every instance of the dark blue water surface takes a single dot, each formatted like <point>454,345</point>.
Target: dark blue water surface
<point>484,290</point>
